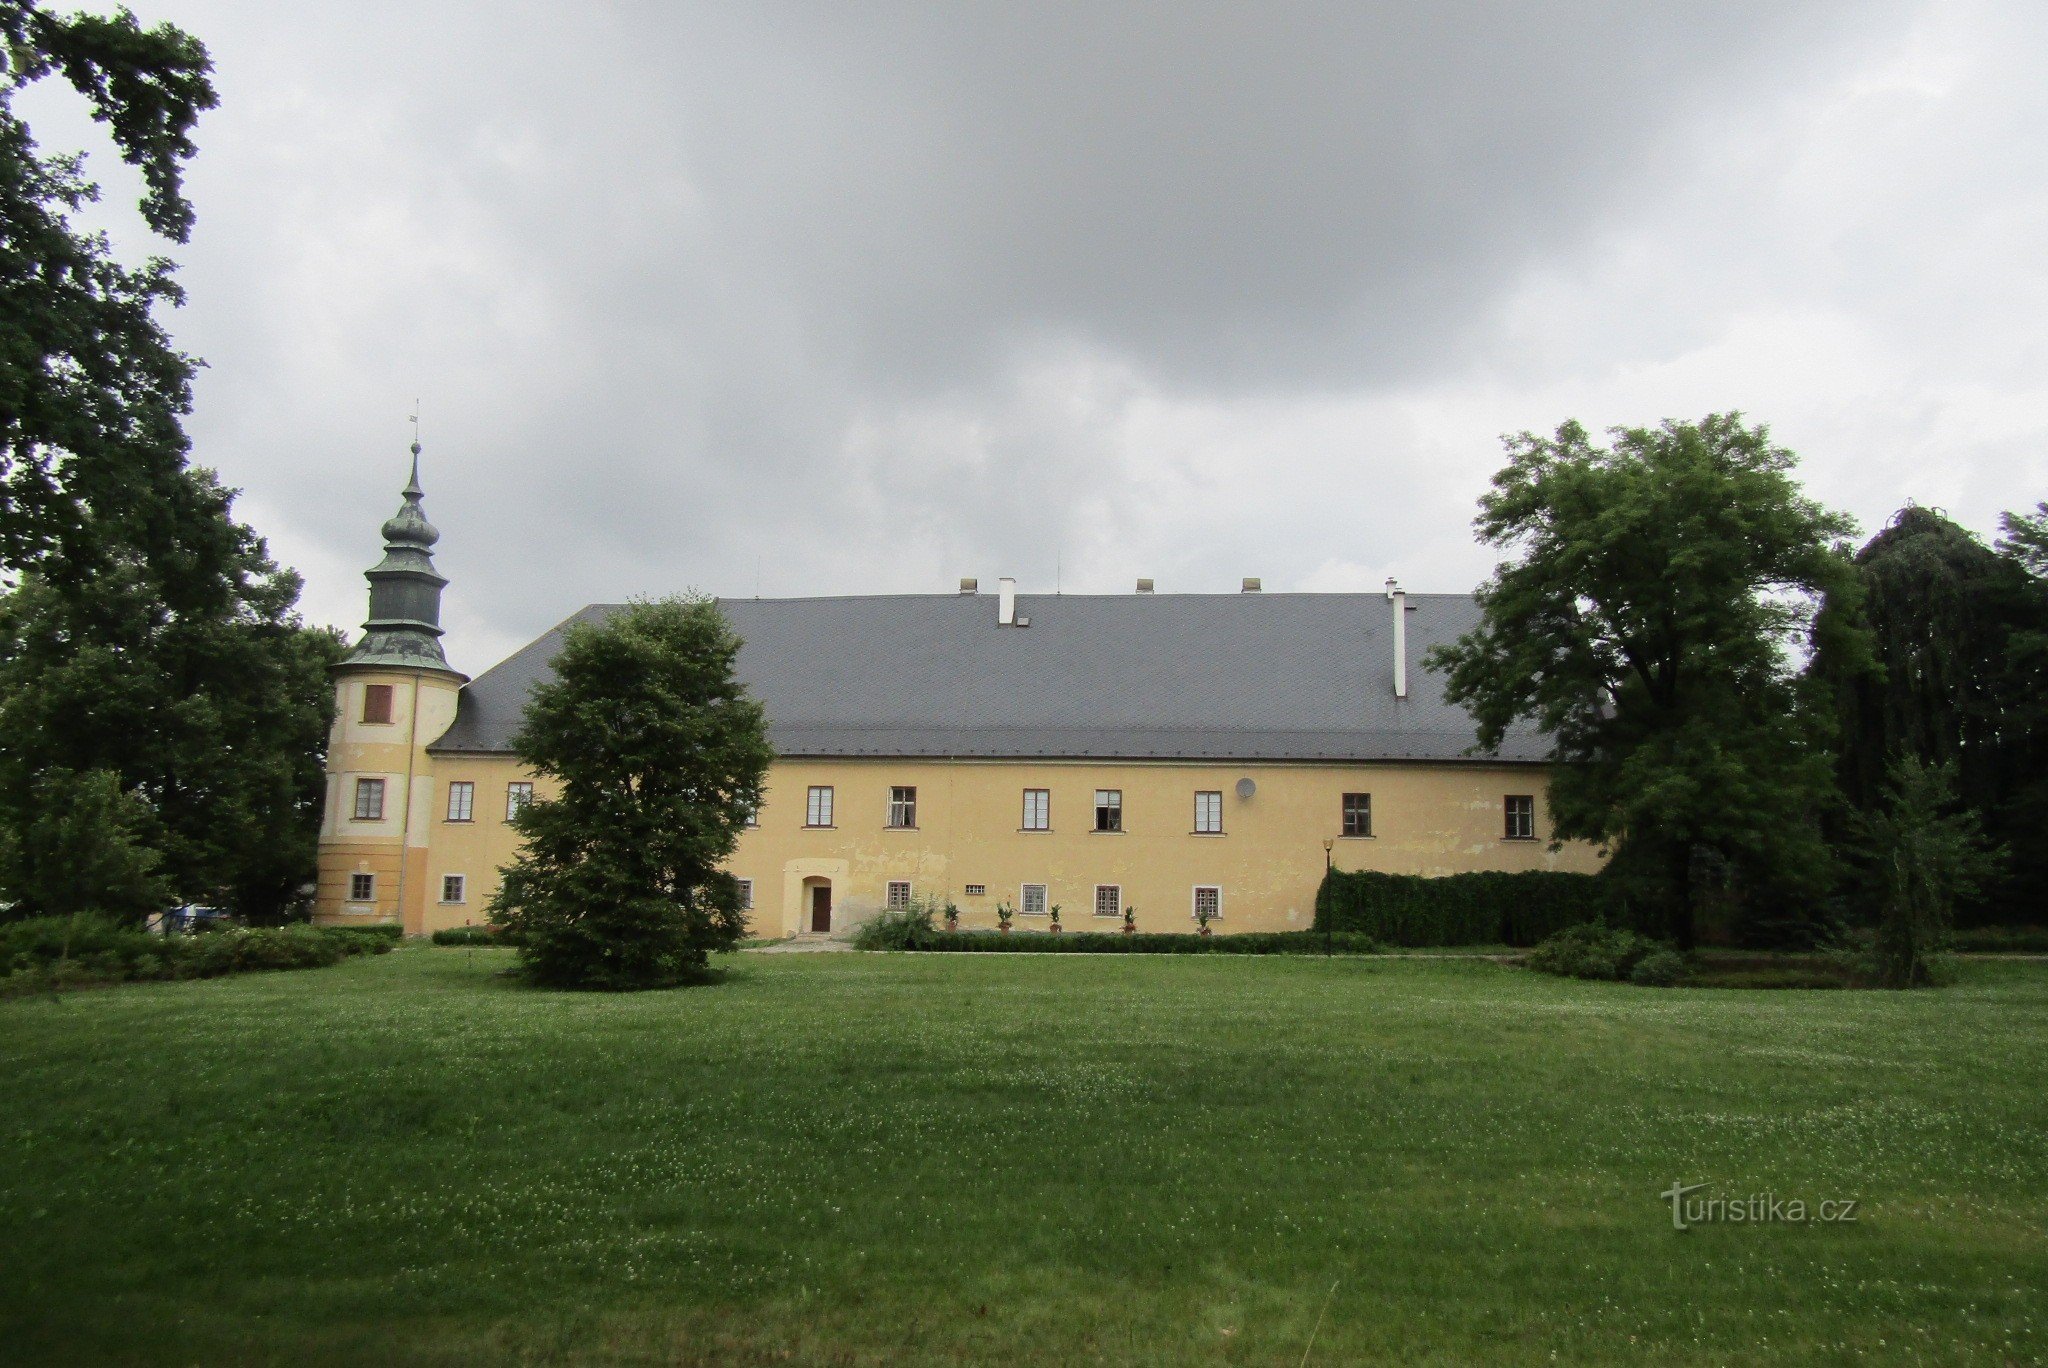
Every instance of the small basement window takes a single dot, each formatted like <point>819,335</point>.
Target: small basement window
<point>454,888</point>
<point>899,894</point>
<point>977,890</point>
<point>362,888</point>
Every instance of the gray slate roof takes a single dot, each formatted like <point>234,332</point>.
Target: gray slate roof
<point>1129,676</point>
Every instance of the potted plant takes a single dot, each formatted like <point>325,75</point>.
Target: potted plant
<point>1003,918</point>
<point>1055,919</point>
<point>1131,920</point>
<point>1202,916</point>
<point>952,916</point>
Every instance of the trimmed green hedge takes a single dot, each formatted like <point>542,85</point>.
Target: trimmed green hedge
<point>472,935</point>
<point>1464,909</point>
<point>1146,943</point>
<point>44,953</point>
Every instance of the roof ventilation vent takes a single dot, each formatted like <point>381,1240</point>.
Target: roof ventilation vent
<point>1144,586</point>
<point>1251,584</point>
<point>969,585</point>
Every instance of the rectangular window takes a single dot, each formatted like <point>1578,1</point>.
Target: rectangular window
<point>1032,900</point>
<point>977,890</point>
<point>1038,809</point>
<point>1109,809</point>
<point>818,808</point>
<point>517,796</point>
<point>376,703</point>
<point>453,887</point>
<point>362,888</point>
<point>1109,900</point>
<point>902,807</point>
<point>1208,898</point>
<point>1358,814</point>
<point>1209,813</point>
<point>746,895</point>
<point>1521,816</point>
<point>461,800</point>
<point>369,800</point>
<point>899,894</point>
<point>753,815</point>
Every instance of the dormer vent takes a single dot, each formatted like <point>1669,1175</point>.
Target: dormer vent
<point>969,585</point>
<point>1144,586</point>
<point>1251,584</point>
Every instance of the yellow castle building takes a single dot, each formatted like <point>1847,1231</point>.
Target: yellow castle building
<point>1164,755</point>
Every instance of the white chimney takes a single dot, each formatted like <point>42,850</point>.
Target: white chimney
<point>1006,602</point>
<point>1398,596</point>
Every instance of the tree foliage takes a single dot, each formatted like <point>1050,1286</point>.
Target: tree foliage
<point>1648,622</point>
<point>84,848</point>
<point>1953,682</point>
<point>1924,853</point>
<point>144,634</point>
<point>658,756</point>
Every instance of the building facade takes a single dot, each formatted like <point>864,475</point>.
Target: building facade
<point>1157,754</point>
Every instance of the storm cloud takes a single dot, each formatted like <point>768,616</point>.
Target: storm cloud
<point>817,299</point>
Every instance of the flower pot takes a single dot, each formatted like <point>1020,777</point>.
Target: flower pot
<point>1004,928</point>
<point>1205,930</point>
<point>1130,930</point>
<point>1055,928</point>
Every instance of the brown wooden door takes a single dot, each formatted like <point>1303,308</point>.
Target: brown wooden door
<point>821,907</point>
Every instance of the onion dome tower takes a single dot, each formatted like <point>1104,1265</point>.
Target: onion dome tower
<point>404,627</point>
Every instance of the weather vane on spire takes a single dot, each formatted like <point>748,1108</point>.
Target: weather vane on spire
<point>415,420</point>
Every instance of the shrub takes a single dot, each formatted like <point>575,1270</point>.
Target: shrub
<point>1659,969</point>
<point>473,935</point>
<point>53,952</point>
<point>1147,943</point>
<point>901,929</point>
<point>1592,952</point>
<point>1466,909</point>
<point>1996,940</point>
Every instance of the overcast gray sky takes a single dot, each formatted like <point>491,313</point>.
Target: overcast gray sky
<point>859,298</point>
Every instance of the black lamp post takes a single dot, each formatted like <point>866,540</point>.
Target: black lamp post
<point>1329,913</point>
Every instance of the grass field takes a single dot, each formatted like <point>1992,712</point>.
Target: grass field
<point>988,1159</point>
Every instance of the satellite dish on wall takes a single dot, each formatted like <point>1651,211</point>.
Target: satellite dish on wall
<point>1246,788</point>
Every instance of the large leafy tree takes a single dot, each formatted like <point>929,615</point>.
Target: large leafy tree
<point>658,755</point>
<point>1953,686</point>
<point>144,634</point>
<point>1648,620</point>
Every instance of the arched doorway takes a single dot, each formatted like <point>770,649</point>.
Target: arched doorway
<point>817,906</point>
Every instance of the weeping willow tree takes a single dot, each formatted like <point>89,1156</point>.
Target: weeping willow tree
<point>1947,617</point>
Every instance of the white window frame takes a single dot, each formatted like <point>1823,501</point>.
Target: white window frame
<point>1024,891</point>
<point>463,790</point>
<point>370,895</point>
<point>518,794</point>
<point>366,787</point>
<point>1344,816</point>
<point>892,901</point>
<point>1117,900</point>
<point>1195,900</point>
<point>1508,816</point>
<point>817,804</point>
<point>753,815</point>
<point>746,895</point>
<point>1113,800</point>
<point>1209,823</point>
<point>461,882</point>
<point>902,811</point>
<point>1040,820</point>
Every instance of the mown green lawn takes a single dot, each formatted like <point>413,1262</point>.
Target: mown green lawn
<point>988,1159</point>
